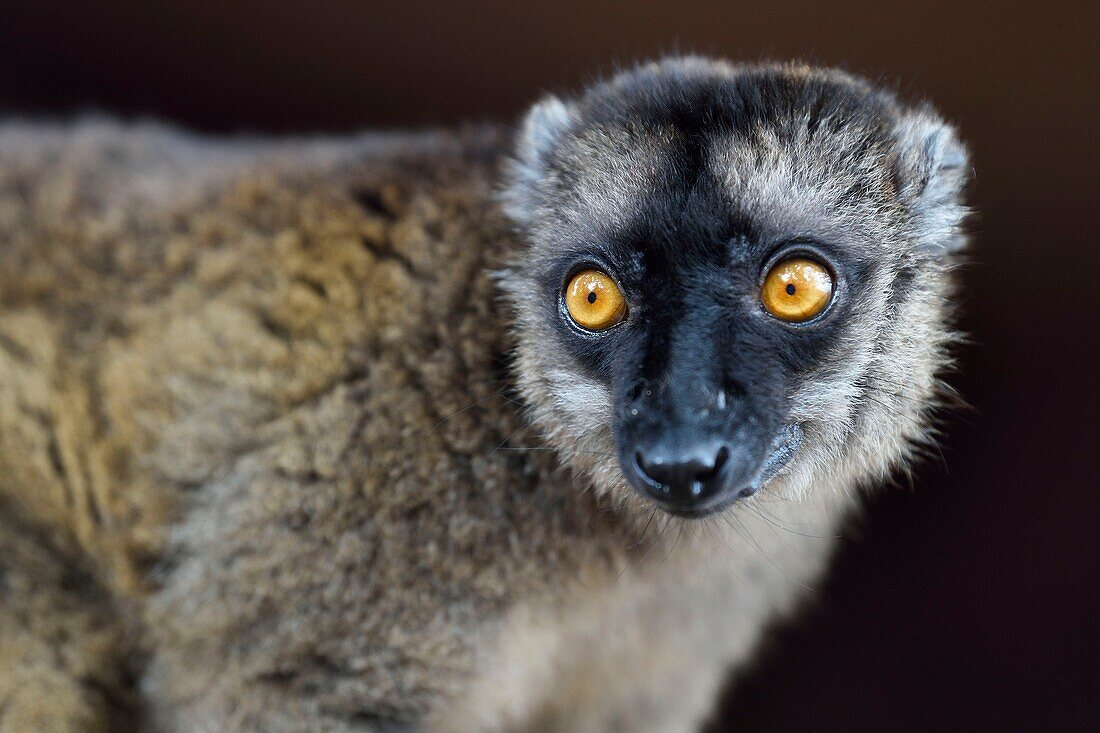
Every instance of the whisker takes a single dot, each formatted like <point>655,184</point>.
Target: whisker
<point>765,555</point>
<point>649,549</point>
<point>532,449</point>
<point>645,529</point>
<point>774,521</point>
<point>467,408</point>
<point>672,549</point>
<point>715,529</point>
<point>505,441</point>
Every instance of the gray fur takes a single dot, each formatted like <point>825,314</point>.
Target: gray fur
<point>257,392</point>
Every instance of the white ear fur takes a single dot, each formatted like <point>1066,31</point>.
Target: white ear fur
<point>933,168</point>
<point>543,127</point>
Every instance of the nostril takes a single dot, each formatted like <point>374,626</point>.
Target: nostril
<point>719,463</point>
<point>650,469</point>
<point>656,469</point>
<point>655,472</point>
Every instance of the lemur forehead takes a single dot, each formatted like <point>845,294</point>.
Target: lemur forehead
<point>614,172</point>
<point>799,183</point>
<point>780,148</point>
<point>606,170</point>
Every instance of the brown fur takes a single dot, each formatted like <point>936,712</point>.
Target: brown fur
<point>226,381</point>
<point>262,467</point>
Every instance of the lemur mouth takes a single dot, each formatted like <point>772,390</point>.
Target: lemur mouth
<point>783,448</point>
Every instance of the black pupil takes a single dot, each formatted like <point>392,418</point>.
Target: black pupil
<point>592,297</point>
<point>790,289</point>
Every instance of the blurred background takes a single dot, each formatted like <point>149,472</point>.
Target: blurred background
<point>970,599</point>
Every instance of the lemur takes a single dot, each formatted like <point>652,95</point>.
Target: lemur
<point>455,432</point>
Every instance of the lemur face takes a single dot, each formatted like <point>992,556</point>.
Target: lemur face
<point>733,275</point>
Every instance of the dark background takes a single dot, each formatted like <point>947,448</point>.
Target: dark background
<point>970,600</point>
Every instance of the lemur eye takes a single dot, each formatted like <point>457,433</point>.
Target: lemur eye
<point>594,301</point>
<point>796,290</point>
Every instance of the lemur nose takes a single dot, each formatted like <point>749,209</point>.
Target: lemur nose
<point>684,478</point>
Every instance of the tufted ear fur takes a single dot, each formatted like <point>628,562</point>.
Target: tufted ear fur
<point>932,169</point>
<point>543,127</point>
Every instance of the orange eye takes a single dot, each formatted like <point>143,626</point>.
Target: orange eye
<point>594,301</point>
<point>796,290</point>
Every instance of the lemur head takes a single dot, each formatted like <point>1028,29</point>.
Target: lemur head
<point>734,278</point>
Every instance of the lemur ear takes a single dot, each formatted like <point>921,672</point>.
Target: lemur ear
<point>932,169</point>
<point>543,127</point>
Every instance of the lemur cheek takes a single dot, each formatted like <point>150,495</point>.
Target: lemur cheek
<point>585,402</point>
